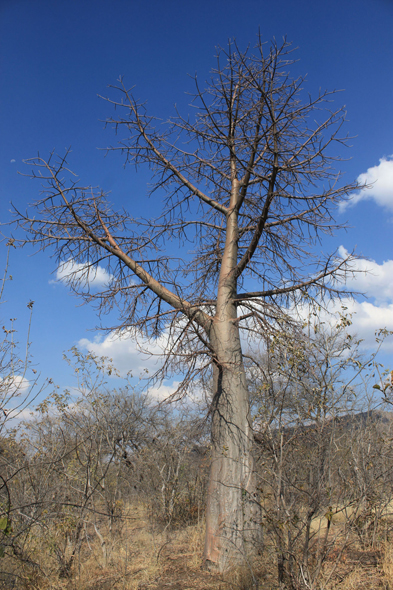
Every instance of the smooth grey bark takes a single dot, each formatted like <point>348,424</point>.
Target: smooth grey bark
<point>233,513</point>
<point>233,523</point>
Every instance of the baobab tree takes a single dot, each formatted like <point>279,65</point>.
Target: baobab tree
<point>249,183</point>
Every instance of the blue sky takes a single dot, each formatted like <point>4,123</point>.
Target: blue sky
<point>56,57</point>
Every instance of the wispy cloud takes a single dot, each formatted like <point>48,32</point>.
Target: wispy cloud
<point>128,354</point>
<point>14,393</point>
<point>13,386</point>
<point>380,178</point>
<point>94,276</point>
<point>367,319</point>
<point>163,392</point>
<point>373,279</point>
<point>376,313</point>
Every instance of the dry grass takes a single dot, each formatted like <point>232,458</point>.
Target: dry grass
<point>143,556</point>
<point>140,556</point>
<point>387,565</point>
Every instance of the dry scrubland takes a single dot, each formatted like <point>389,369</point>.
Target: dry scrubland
<point>110,494</point>
<point>107,490</point>
<point>145,556</point>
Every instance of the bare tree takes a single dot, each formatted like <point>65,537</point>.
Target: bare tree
<point>249,183</point>
<point>308,392</point>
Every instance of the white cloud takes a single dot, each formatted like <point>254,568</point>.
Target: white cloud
<point>128,357</point>
<point>12,161</point>
<point>381,191</point>
<point>374,280</point>
<point>163,392</point>
<point>12,386</point>
<point>367,319</point>
<point>14,392</point>
<point>25,414</point>
<point>127,354</point>
<point>94,276</point>
<point>16,416</point>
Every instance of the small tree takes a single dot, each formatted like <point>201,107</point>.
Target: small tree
<point>19,387</point>
<point>18,384</point>
<point>249,183</point>
<point>320,459</point>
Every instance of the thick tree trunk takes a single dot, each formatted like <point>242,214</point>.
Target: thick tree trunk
<point>233,526</point>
